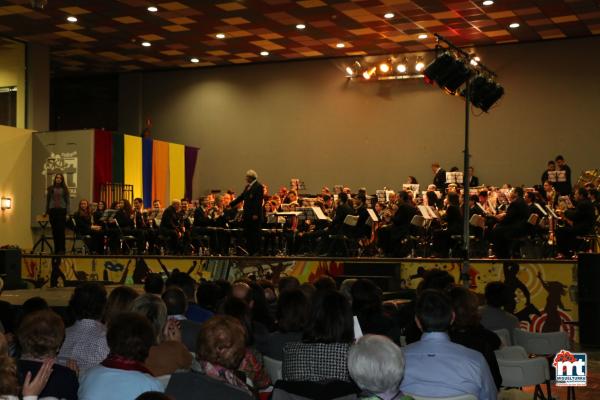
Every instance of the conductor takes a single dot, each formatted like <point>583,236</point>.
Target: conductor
<point>252,196</point>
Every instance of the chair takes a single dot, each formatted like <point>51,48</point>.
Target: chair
<point>273,368</point>
<point>504,336</point>
<point>461,397</point>
<point>547,344</point>
<point>518,370</point>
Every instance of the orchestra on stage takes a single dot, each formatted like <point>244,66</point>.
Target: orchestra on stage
<point>552,219</point>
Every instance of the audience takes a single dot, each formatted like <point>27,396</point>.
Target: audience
<point>367,305</point>
<point>176,303</point>
<point>287,283</point>
<point>123,375</point>
<point>493,316</point>
<point>154,284</point>
<point>40,335</point>
<point>167,354</point>
<point>436,367</point>
<point>119,300</point>
<point>220,349</point>
<point>85,341</point>
<point>323,354</point>
<point>209,295</point>
<point>376,364</point>
<point>325,282</point>
<point>188,285</point>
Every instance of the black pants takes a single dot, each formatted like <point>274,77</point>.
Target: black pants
<point>58,220</point>
<point>56,272</point>
<point>252,233</point>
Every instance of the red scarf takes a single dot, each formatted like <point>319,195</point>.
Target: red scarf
<point>119,362</point>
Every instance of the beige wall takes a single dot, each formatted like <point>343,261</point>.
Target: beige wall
<point>12,73</point>
<point>15,182</point>
<point>303,119</point>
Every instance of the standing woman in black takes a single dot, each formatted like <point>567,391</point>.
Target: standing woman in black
<point>57,206</point>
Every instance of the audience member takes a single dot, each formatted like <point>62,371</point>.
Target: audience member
<point>85,341</point>
<point>123,375</point>
<point>287,283</point>
<point>376,364</point>
<point>176,303</point>
<point>309,290</point>
<point>346,287</point>
<point>9,383</point>
<point>468,331</point>
<point>220,349</point>
<point>436,367</point>
<point>367,306</point>
<point>40,336</point>
<point>154,284</point>
<point>208,296</point>
<point>188,285</point>
<point>326,339</point>
<point>119,300</point>
<point>292,317</point>
<point>168,353</point>
<point>325,282</point>
<point>7,314</point>
<point>493,316</point>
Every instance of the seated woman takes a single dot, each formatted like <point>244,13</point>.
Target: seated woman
<point>322,356</point>
<point>376,364</point>
<point>123,374</point>
<point>168,354</point>
<point>40,335</point>
<point>220,349</point>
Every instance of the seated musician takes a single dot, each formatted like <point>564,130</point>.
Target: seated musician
<point>186,226</point>
<point>391,242</point>
<point>579,221</point>
<point>291,199</point>
<point>202,221</point>
<point>531,200</point>
<point>594,195</point>
<point>141,226</point>
<point>342,210</point>
<point>83,226</point>
<point>362,229</point>
<point>550,194</point>
<point>170,228</point>
<point>474,209</point>
<point>453,221</point>
<point>512,224</point>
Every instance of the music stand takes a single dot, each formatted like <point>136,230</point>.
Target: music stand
<point>43,222</point>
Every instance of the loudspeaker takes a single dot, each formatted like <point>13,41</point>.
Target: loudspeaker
<point>10,268</point>
<point>588,281</point>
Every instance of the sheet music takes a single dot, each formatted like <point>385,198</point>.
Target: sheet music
<point>351,220</point>
<point>544,213</point>
<point>557,176</point>
<point>425,212</point>
<point>319,213</point>
<point>372,215</point>
<point>566,201</point>
<point>411,187</point>
<point>454,177</point>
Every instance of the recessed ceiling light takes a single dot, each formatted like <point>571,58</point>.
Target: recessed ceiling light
<point>389,15</point>
<point>300,26</point>
<point>264,53</point>
<point>422,36</point>
<point>195,60</point>
<point>72,19</point>
<point>340,45</point>
<point>146,44</point>
<point>488,2</point>
<point>152,9</point>
<point>514,25</point>
<point>220,36</point>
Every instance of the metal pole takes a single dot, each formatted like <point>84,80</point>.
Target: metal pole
<point>466,179</point>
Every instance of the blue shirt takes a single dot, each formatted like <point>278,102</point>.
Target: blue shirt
<point>101,383</point>
<point>197,313</point>
<point>436,367</point>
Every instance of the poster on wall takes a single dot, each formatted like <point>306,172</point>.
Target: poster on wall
<point>61,163</point>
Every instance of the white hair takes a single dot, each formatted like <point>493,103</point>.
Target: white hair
<point>252,174</point>
<point>376,364</point>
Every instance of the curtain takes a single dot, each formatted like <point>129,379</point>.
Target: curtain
<point>160,172</point>
<point>132,164</point>
<point>147,147</point>
<point>102,160</point>
<point>117,158</point>
<point>191,156</point>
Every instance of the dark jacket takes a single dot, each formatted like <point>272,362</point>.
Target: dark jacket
<point>439,180</point>
<point>252,196</point>
<point>169,220</point>
<point>188,385</point>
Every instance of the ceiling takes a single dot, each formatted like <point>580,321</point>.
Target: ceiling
<point>108,34</point>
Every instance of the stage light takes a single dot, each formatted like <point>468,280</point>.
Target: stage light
<point>384,67</point>
<point>448,72</point>
<point>369,73</point>
<point>152,9</point>
<point>401,67</point>
<point>220,36</point>
<point>72,19</point>
<point>6,203</point>
<point>300,26</point>
<point>484,92</point>
<point>488,2</point>
<point>419,66</point>
<point>422,36</point>
<point>195,60</point>
<point>389,15</point>
<point>264,53</point>
<point>514,25</point>
<point>353,69</point>
<point>340,45</point>
<point>146,44</point>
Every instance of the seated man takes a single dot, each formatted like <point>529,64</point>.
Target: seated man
<point>493,317</point>
<point>436,367</point>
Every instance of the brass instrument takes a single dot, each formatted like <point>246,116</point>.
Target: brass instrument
<point>590,176</point>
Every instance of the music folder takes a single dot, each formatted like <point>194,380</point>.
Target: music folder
<point>319,213</point>
<point>557,176</point>
<point>477,221</point>
<point>372,217</point>
<point>351,220</point>
<point>108,215</point>
<point>427,212</point>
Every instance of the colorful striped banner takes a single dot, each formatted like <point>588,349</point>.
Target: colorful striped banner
<point>160,172</point>
<point>191,158</point>
<point>176,171</point>
<point>102,160</point>
<point>147,147</point>
<point>118,156</point>
<point>132,164</point>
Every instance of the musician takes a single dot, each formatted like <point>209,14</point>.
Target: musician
<point>400,227</point>
<point>291,199</point>
<point>412,180</point>
<point>551,167</point>
<point>252,196</point>
<point>57,208</point>
<point>579,221</point>
<point>342,210</point>
<point>550,194</point>
<point>439,177</point>
<point>169,226</point>
<point>564,188</point>
<point>473,180</point>
<point>202,221</point>
<point>327,205</point>
<point>453,220</point>
<point>97,215</point>
<point>82,226</point>
<point>141,225</point>
<point>512,224</point>
<point>594,195</point>
<point>121,225</point>
<point>531,201</point>
<point>362,229</point>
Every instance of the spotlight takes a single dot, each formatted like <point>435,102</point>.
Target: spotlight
<point>220,36</point>
<point>422,36</point>
<point>484,92</point>
<point>195,60</point>
<point>300,26</point>
<point>384,67</point>
<point>340,45</point>
<point>152,9</point>
<point>488,2</point>
<point>72,19</point>
<point>389,15</point>
<point>514,25</point>
<point>146,44</point>
<point>448,72</point>
<point>419,66</point>
<point>369,73</point>
<point>401,67</point>
<point>6,203</point>
<point>352,70</point>
<point>474,61</point>
<point>264,53</point>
